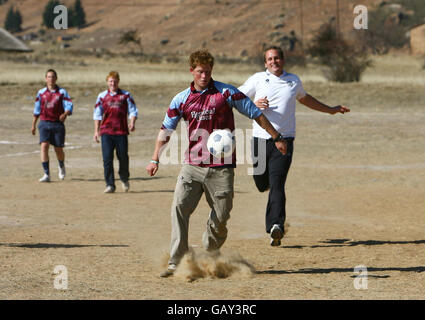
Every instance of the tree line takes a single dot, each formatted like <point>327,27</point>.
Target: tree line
<point>76,16</point>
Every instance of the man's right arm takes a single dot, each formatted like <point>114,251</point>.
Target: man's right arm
<point>34,122</point>
<point>171,120</point>
<point>161,141</point>
<point>96,130</point>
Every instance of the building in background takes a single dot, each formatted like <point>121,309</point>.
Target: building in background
<point>417,39</point>
<point>8,42</point>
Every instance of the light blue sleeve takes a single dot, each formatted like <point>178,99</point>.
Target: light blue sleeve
<point>132,108</point>
<point>67,102</point>
<point>242,103</point>
<point>98,109</point>
<point>174,114</point>
<point>37,104</point>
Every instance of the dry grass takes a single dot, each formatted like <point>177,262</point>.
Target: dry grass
<point>391,69</point>
<point>94,71</point>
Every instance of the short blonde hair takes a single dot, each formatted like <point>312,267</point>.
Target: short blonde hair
<point>113,74</point>
<point>201,57</point>
<point>279,50</point>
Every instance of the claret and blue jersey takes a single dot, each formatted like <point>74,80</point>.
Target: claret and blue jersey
<point>112,109</point>
<point>49,105</point>
<point>205,112</point>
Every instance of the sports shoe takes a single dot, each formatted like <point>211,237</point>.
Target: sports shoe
<point>109,189</point>
<point>45,178</point>
<point>169,272</point>
<point>126,186</point>
<point>61,173</point>
<point>276,233</point>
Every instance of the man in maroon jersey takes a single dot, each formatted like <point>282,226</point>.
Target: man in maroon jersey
<point>206,105</point>
<point>52,105</point>
<point>111,125</point>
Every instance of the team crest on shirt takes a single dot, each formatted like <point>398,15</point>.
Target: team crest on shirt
<point>51,104</point>
<point>114,104</point>
<point>212,101</point>
<point>289,83</point>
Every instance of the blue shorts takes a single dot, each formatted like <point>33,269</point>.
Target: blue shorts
<point>52,132</point>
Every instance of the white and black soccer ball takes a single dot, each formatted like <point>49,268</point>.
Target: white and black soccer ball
<point>221,143</point>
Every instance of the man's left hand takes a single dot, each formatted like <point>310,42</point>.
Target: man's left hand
<point>340,109</point>
<point>62,117</point>
<point>281,146</point>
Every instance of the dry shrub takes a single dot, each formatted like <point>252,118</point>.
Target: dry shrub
<point>343,62</point>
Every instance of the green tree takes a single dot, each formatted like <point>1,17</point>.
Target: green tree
<point>48,14</point>
<point>13,20</point>
<point>77,15</point>
<point>9,23</point>
<point>18,20</point>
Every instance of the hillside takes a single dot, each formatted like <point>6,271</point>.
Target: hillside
<point>228,28</point>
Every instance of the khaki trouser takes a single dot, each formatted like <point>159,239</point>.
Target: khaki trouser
<point>192,182</point>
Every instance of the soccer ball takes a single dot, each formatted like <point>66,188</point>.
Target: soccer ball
<point>221,143</point>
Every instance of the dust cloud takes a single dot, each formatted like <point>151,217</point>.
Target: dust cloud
<point>196,265</point>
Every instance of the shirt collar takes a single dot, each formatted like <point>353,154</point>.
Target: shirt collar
<point>53,91</point>
<point>209,87</point>
<point>281,76</point>
<point>112,93</point>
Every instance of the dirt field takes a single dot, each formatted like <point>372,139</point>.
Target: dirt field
<point>356,196</point>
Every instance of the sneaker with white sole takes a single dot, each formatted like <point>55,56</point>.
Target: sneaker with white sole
<point>61,173</point>
<point>169,272</point>
<point>276,234</point>
<point>45,178</point>
<point>109,189</point>
<point>126,186</point>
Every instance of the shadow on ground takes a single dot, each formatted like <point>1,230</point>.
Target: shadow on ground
<point>418,269</point>
<point>59,245</point>
<point>350,243</point>
<point>131,179</point>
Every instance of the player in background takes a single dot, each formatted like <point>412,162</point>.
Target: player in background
<point>52,105</point>
<point>112,108</point>
<point>206,105</point>
<point>275,91</point>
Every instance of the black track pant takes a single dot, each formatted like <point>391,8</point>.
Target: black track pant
<point>272,176</point>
